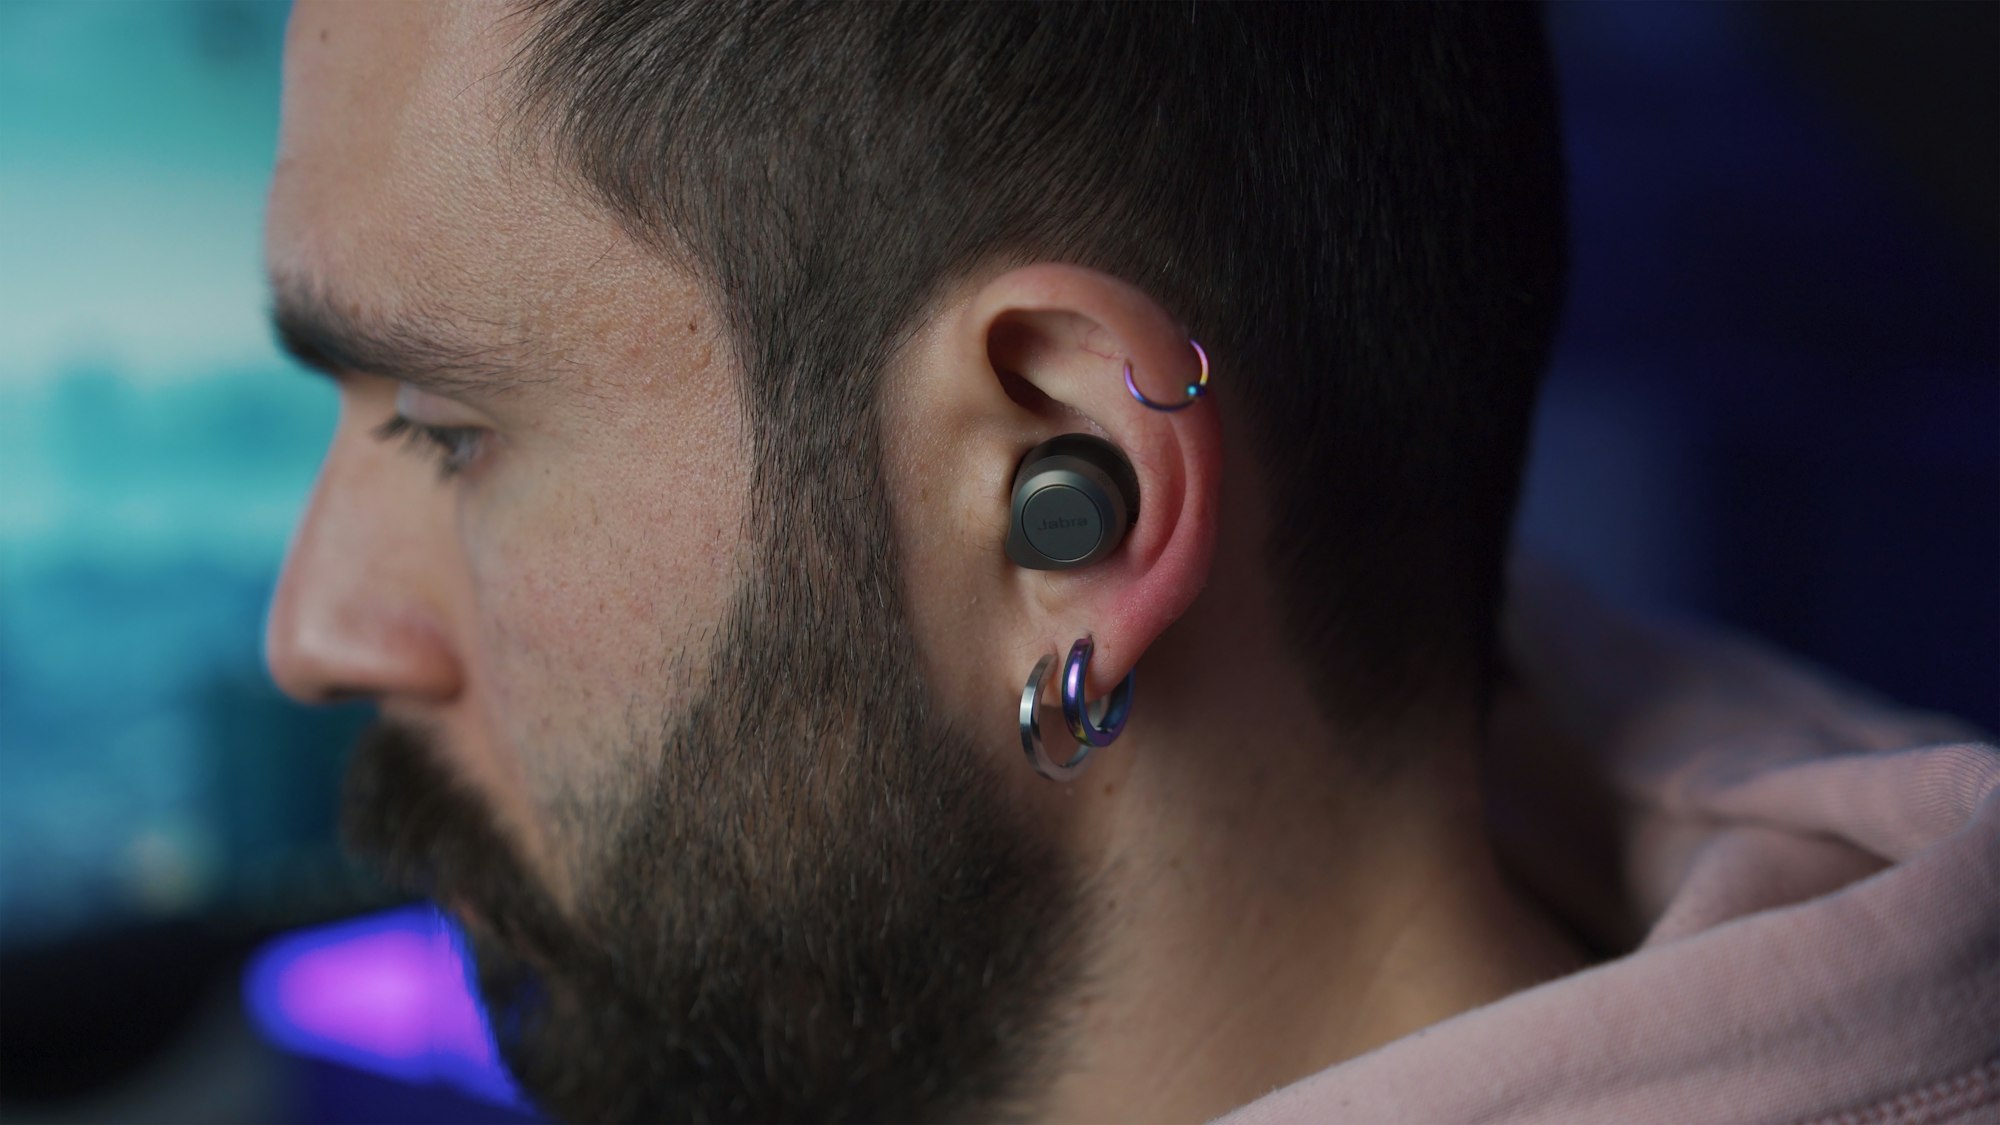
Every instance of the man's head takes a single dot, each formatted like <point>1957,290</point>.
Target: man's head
<point>727,328</point>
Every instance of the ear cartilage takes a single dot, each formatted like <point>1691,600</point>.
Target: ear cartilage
<point>1075,495</point>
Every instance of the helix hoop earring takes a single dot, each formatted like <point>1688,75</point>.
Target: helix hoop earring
<point>1031,728</point>
<point>1076,711</point>
<point>1194,390</point>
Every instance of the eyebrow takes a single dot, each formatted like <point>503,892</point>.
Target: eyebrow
<point>424,347</point>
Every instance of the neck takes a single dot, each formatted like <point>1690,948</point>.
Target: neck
<point>1258,933</point>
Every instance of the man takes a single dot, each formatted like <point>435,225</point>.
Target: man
<point>704,661</point>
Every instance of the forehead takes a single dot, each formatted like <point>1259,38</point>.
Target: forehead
<point>400,181</point>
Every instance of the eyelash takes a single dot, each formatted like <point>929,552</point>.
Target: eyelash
<point>451,447</point>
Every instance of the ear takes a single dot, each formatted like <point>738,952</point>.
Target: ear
<point>1039,351</point>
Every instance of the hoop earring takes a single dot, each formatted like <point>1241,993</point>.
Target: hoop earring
<point>1194,390</point>
<point>1031,728</point>
<point>1076,711</point>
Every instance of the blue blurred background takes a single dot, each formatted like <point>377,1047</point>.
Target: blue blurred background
<point>1776,402</point>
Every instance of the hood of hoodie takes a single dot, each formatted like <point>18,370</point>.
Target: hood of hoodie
<point>1792,889</point>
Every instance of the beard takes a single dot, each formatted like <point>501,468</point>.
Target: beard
<point>813,901</point>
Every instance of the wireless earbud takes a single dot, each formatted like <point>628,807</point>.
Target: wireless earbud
<point>1074,497</point>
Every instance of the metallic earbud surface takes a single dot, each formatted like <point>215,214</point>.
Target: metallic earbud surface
<point>1075,496</point>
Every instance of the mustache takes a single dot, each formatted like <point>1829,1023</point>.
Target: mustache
<point>427,832</point>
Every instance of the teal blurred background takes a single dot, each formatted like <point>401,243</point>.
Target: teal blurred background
<point>162,809</point>
<point>154,451</point>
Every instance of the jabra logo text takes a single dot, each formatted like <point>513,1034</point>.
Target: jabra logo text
<point>1058,524</point>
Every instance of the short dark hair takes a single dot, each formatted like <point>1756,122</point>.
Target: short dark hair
<point>1357,208</point>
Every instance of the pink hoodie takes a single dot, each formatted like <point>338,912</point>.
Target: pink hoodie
<point>1796,887</point>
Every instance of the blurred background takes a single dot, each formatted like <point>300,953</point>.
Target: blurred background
<point>1776,403</point>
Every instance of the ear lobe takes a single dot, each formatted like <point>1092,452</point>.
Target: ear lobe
<point>1067,333</point>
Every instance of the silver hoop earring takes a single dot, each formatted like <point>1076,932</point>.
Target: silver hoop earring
<point>1031,728</point>
<point>1089,733</point>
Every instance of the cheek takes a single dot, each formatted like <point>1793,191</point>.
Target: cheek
<point>596,602</point>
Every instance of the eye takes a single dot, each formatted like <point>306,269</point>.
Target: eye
<point>452,448</point>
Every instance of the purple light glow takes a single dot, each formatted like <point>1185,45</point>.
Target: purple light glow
<point>386,993</point>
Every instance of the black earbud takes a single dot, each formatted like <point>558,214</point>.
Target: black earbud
<point>1074,497</point>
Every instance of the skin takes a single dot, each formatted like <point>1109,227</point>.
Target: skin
<point>1258,912</point>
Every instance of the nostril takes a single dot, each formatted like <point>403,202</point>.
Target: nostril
<point>344,647</point>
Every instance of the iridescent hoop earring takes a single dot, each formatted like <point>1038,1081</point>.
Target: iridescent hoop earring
<point>1194,390</point>
<point>1031,728</point>
<point>1076,712</point>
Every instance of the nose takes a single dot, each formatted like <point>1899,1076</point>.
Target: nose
<point>357,611</point>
